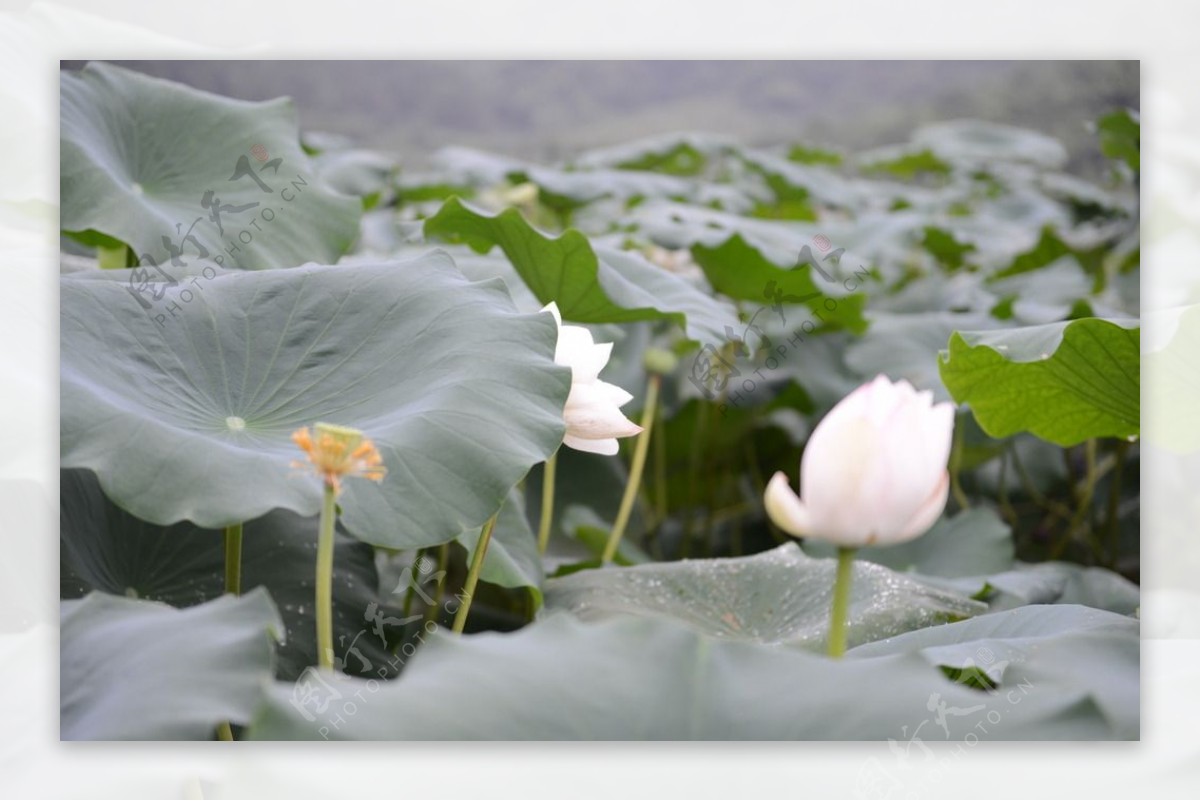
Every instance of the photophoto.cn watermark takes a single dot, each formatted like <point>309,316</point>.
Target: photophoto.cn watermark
<point>153,285</point>
<point>329,707</point>
<point>715,371</point>
<point>924,751</point>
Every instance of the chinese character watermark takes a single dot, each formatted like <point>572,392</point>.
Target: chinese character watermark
<point>714,369</point>
<point>960,727</point>
<point>316,695</point>
<point>150,282</point>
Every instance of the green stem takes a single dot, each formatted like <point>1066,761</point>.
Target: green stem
<point>325,579</point>
<point>547,502</point>
<point>233,586</point>
<point>485,537</point>
<point>113,258</point>
<point>635,469</point>
<point>233,559</point>
<point>841,602</point>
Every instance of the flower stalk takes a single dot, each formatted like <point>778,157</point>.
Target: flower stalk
<point>547,502</point>
<point>485,537</point>
<point>635,470</point>
<point>841,602</point>
<point>325,579</point>
<point>233,559</point>
<point>334,453</point>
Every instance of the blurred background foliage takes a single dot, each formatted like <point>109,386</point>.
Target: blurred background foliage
<point>545,110</point>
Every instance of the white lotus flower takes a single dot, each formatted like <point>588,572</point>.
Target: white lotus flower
<point>873,471</point>
<point>593,409</point>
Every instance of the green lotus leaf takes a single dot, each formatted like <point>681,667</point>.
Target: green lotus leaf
<point>139,670</point>
<point>590,285</point>
<point>186,413</point>
<point>1065,382</point>
<point>172,171</point>
<point>1024,651</point>
<point>780,596</point>
<point>740,271</point>
<point>643,679</point>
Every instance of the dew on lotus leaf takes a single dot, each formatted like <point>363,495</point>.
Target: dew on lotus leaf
<point>781,596</point>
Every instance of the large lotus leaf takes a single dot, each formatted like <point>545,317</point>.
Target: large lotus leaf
<point>1050,583</point>
<point>907,345</point>
<point>105,548</point>
<point>641,679</point>
<point>973,542</point>
<point>781,596</point>
<point>590,285</point>
<point>738,270</point>
<point>1026,650</point>
<point>190,417</point>
<point>158,165</point>
<point>139,670</point>
<point>1064,382</point>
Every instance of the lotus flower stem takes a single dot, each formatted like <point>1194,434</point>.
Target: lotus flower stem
<point>635,470</point>
<point>325,578</point>
<point>233,586</point>
<point>841,602</point>
<point>547,502</point>
<point>485,537</point>
<point>233,559</point>
<point>334,452</point>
